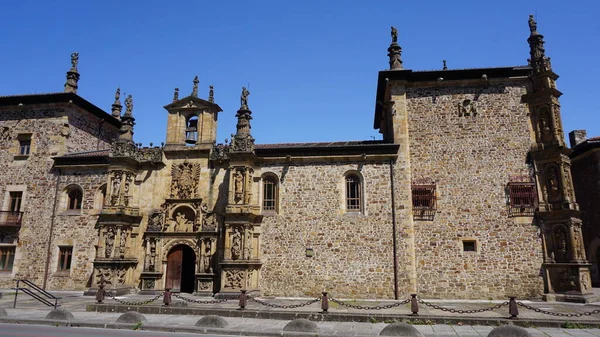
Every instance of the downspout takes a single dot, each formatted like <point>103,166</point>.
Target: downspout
<point>395,244</point>
<point>49,251</point>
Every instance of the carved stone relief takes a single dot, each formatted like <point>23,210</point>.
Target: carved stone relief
<point>204,285</point>
<point>234,279</point>
<point>236,244</point>
<point>248,242</point>
<point>184,182</point>
<point>584,279</point>
<point>155,222</point>
<point>207,253</point>
<point>467,108</point>
<point>103,275</point>
<point>210,220</point>
<point>545,125</point>
<point>238,185</point>
<point>116,180</point>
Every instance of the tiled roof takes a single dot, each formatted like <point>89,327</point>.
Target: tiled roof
<point>594,139</point>
<point>25,95</point>
<point>95,153</point>
<point>320,144</point>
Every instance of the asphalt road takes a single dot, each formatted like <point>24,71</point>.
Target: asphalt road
<point>22,330</point>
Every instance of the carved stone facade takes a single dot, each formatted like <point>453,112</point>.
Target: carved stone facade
<point>296,219</point>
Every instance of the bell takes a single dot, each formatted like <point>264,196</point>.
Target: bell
<point>191,132</point>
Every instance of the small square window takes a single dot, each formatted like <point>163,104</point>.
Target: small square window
<point>64,258</point>
<point>469,246</point>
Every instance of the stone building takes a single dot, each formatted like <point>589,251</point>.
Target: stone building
<point>467,195</point>
<point>586,181</point>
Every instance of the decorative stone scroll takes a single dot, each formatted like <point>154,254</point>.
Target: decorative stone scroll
<point>184,184</point>
<point>210,220</point>
<point>234,279</point>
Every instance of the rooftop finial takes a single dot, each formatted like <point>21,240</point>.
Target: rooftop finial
<point>244,99</point>
<point>394,51</point>
<point>195,90</point>
<point>532,24</point>
<point>74,61</point>
<point>72,74</point>
<point>128,106</point>
<point>211,94</point>
<point>117,107</point>
<point>394,35</point>
<point>445,67</point>
<point>176,95</point>
<point>538,61</point>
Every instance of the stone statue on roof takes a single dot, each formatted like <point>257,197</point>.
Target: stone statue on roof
<point>117,95</point>
<point>394,35</point>
<point>195,89</point>
<point>532,24</point>
<point>74,60</point>
<point>128,105</point>
<point>244,98</point>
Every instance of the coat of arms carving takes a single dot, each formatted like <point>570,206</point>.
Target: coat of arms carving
<point>184,182</point>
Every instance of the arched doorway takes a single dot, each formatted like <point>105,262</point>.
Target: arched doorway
<point>181,265</point>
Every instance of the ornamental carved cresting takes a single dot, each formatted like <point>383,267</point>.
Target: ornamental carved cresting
<point>184,183</point>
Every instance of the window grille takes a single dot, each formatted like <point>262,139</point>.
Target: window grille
<point>424,200</point>
<point>522,198</point>
<point>15,201</point>
<point>270,194</point>
<point>353,194</point>
<point>64,258</point>
<point>7,258</point>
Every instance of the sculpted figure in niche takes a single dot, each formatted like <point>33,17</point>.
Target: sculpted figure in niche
<point>207,256</point>
<point>236,244</point>
<point>109,241</point>
<point>553,186</point>
<point>238,179</point>
<point>182,224</point>
<point>560,243</point>
<point>545,125</point>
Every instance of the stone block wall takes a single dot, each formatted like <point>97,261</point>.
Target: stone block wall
<point>353,253</point>
<point>471,158</point>
<point>51,135</point>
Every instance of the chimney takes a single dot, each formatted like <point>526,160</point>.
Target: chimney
<point>577,137</point>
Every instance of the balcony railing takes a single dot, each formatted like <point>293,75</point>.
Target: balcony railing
<point>10,219</point>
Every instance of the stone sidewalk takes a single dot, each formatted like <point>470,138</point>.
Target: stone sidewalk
<point>355,322</point>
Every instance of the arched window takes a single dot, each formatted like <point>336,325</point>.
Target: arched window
<point>354,202</point>
<point>270,194</point>
<point>74,199</point>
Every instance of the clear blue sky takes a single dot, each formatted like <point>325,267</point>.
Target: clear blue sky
<point>311,65</point>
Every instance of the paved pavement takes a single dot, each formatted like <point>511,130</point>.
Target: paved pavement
<point>357,322</point>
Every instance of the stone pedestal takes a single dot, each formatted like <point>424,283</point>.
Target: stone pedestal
<point>205,284</point>
<point>150,281</point>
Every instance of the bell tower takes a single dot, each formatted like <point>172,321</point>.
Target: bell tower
<point>192,120</point>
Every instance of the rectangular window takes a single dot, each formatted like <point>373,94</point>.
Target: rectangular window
<point>522,198</point>
<point>424,201</point>
<point>353,194</point>
<point>469,246</point>
<point>15,201</point>
<point>270,195</point>
<point>24,147</point>
<point>64,258</point>
<point>7,258</point>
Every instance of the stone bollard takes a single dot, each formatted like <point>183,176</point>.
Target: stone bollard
<point>324,302</point>
<point>211,321</point>
<point>3,312</point>
<point>243,299</point>
<point>60,314</point>
<point>100,294</point>
<point>400,329</point>
<point>509,331</point>
<point>301,325</point>
<point>167,297</point>
<point>132,317</point>
<point>414,305</point>
<point>513,310</point>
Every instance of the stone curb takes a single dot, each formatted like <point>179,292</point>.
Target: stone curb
<point>159,328</point>
<point>344,317</point>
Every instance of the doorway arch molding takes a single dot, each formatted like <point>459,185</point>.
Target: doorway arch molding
<point>176,242</point>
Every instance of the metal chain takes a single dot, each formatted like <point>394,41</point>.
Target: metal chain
<point>191,300</point>
<point>284,306</point>
<point>431,305</point>
<point>588,313</point>
<point>134,303</point>
<point>365,307</point>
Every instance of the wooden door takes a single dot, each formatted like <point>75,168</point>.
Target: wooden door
<point>174,264</point>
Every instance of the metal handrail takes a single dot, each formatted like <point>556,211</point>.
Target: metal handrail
<point>36,296</point>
